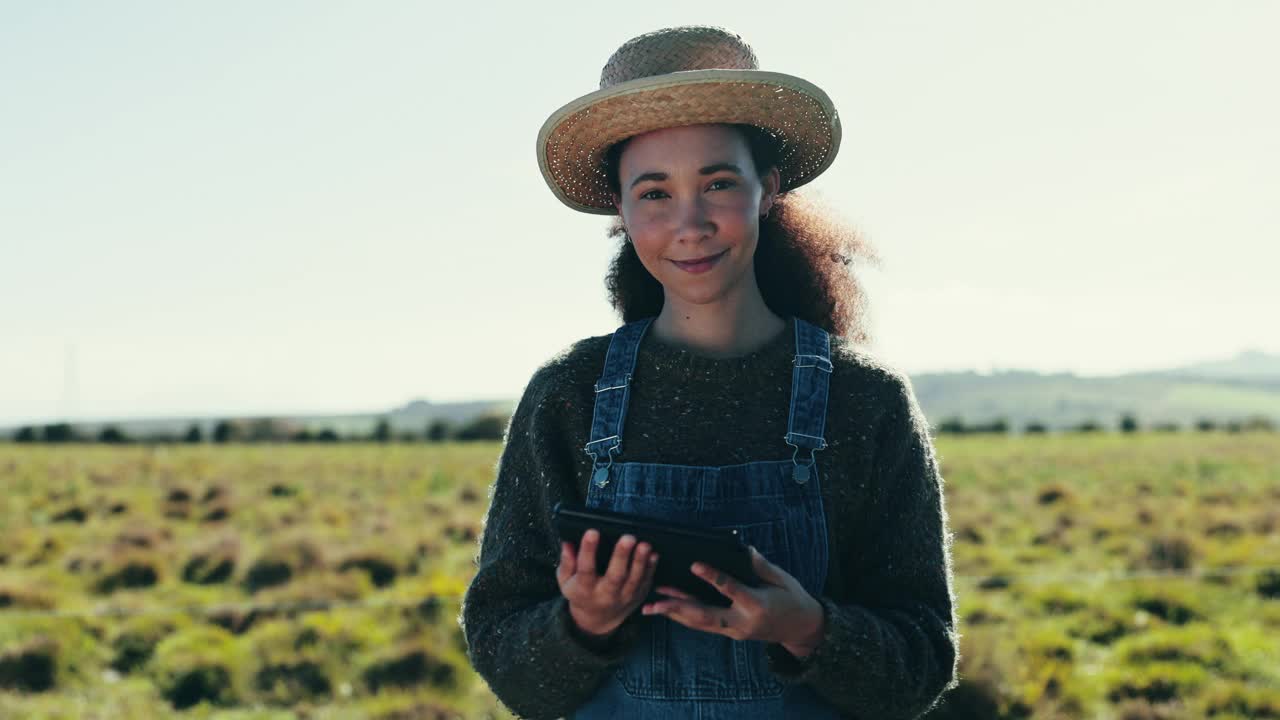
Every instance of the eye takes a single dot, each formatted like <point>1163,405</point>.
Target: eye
<point>725,180</point>
<point>645,196</point>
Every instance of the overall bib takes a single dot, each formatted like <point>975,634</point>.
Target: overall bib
<point>674,671</point>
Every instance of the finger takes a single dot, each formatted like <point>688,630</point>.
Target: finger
<point>724,583</point>
<point>650,572</point>
<point>616,573</point>
<point>691,614</point>
<point>565,571</point>
<point>653,569</point>
<point>587,553</point>
<point>638,571</point>
<point>767,571</point>
<point>666,590</point>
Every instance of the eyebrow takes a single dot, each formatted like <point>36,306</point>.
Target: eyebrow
<point>713,168</point>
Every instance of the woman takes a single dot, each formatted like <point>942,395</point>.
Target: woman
<point>747,406</point>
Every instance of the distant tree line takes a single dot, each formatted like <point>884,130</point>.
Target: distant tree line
<point>490,426</point>
<point>1127,423</point>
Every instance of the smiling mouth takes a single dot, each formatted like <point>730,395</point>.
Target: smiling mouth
<point>699,261</point>
<point>704,265</point>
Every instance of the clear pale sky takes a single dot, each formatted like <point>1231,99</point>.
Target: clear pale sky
<point>246,207</point>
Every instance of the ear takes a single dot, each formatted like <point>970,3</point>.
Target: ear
<point>770,183</point>
<point>617,204</point>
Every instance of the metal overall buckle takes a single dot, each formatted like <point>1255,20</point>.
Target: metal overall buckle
<point>600,475</point>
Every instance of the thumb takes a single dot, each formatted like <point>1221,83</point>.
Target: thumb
<point>765,569</point>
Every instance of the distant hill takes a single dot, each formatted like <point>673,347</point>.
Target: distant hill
<point>1235,388</point>
<point>412,417</point>
<point>1250,365</point>
<point>416,414</point>
<point>1245,385</point>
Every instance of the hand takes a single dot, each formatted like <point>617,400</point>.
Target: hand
<point>599,604</point>
<point>779,611</point>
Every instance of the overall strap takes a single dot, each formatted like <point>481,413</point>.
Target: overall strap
<point>613,390</point>
<point>810,377</point>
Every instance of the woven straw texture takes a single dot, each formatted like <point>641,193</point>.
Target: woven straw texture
<point>683,76</point>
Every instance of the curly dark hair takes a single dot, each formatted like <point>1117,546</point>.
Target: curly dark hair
<point>802,260</point>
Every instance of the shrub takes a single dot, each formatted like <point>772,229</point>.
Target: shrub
<point>195,665</point>
<point>1268,584</point>
<point>1155,682</point>
<point>58,433</point>
<point>408,666</point>
<point>212,564</point>
<point>399,708</point>
<point>380,567</point>
<point>438,430</point>
<point>1059,599</point>
<point>289,665</point>
<point>1235,699</point>
<point>112,435</point>
<point>1050,644</point>
<point>75,514</point>
<point>128,569</point>
<point>1101,625</point>
<point>1170,552</point>
<point>1258,423</point>
<point>485,427</point>
<point>281,561</point>
<point>1176,607</point>
<point>23,596</point>
<point>1194,643</point>
<point>31,666</point>
<point>999,426</point>
<point>1137,709</point>
<point>1053,492</point>
<point>224,432</point>
<point>315,591</point>
<point>134,643</point>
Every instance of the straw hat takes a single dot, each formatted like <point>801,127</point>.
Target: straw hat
<point>683,76</point>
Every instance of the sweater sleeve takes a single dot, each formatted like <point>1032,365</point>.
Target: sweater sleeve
<point>519,634</point>
<point>893,650</point>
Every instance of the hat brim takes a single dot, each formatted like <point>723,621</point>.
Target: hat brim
<point>573,140</point>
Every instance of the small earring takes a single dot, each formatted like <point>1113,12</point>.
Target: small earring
<point>765,216</point>
<point>626,236</point>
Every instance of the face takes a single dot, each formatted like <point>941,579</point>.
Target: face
<point>692,192</point>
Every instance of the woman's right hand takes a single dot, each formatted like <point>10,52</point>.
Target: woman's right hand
<point>600,603</point>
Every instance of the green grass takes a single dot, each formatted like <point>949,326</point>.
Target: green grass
<point>1098,575</point>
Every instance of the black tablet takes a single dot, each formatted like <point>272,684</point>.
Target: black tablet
<point>678,546</point>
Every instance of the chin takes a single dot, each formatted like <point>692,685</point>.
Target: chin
<point>699,294</point>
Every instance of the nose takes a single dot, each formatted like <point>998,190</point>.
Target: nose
<point>693,222</point>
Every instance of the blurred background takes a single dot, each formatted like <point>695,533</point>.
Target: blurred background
<point>266,272</point>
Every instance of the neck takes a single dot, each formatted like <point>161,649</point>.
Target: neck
<point>728,327</point>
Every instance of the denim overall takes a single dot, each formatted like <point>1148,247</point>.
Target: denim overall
<point>674,671</point>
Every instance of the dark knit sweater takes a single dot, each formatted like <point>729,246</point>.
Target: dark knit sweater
<point>890,646</point>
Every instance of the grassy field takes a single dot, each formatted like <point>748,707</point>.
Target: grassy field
<point>1108,576</point>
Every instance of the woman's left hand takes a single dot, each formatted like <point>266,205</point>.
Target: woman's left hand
<point>779,611</point>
